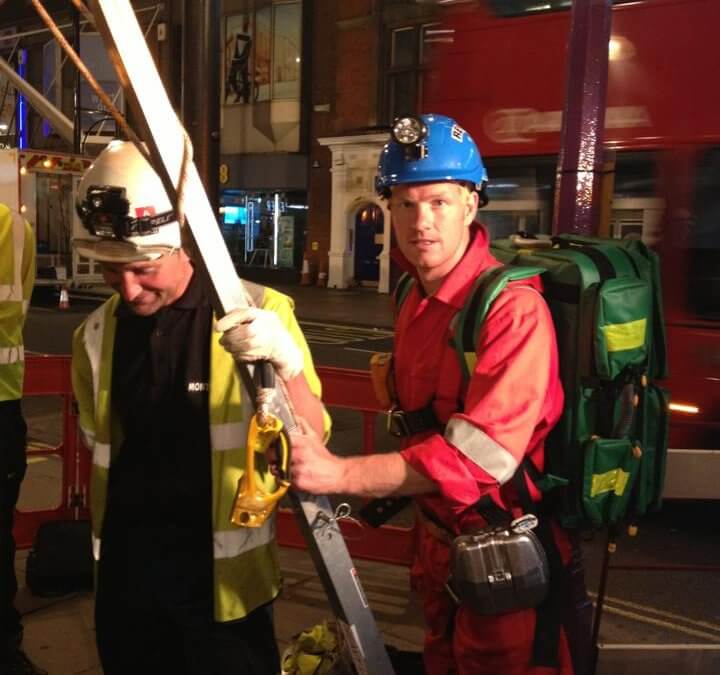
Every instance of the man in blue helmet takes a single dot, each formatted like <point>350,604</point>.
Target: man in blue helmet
<point>467,440</point>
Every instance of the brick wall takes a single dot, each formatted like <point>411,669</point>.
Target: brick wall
<point>345,72</point>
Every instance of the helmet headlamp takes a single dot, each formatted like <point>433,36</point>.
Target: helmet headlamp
<point>105,213</point>
<point>409,130</point>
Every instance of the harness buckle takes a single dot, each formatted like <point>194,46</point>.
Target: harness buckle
<point>397,424</point>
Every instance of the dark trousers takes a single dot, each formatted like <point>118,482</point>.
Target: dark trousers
<point>160,642</point>
<point>154,610</point>
<point>13,436</point>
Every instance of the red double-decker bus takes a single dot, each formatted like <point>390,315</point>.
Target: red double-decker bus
<point>500,68</point>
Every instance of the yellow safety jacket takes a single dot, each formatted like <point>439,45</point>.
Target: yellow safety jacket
<point>246,570</point>
<point>17,276</point>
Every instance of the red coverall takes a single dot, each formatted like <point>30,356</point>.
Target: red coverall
<point>513,400</point>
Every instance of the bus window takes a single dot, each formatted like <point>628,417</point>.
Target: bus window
<point>703,239</point>
<point>525,7</point>
<point>501,224</point>
<point>636,174</point>
<point>520,194</point>
<point>636,207</point>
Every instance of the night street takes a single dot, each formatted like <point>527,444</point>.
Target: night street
<point>644,606</point>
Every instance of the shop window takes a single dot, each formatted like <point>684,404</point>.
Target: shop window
<point>286,52</point>
<point>262,54</point>
<point>265,229</point>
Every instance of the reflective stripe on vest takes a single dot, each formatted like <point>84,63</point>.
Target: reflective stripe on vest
<point>226,543</point>
<point>482,450</point>
<point>11,256</point>
<point>10,355</point>
<point>93,339</point>
<point>232,434</point>
<point>100,451</point>
<point>88,437</point>
<point>101,454</point>
<point>231,543</point>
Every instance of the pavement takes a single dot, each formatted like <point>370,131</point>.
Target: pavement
<point>362,306</point>
<point>59,632</point>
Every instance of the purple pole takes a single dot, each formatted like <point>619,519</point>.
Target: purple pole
<point>577,211</point>
<point>580,164</point>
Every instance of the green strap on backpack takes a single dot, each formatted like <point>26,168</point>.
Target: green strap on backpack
<point>610,444</point>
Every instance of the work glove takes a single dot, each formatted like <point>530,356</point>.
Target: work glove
<point>252,334</point>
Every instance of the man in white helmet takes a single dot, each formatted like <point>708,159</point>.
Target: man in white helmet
<point>179,588</point>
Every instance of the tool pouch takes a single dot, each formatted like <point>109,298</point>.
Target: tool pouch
<point>381,376</point>
<point>499,569</point>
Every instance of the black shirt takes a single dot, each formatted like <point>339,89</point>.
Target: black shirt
<point>159,486</point>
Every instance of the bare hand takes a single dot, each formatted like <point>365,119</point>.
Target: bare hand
<point>313,468</point>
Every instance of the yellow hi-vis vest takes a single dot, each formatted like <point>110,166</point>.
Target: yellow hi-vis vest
<point>17,276</point>
<point>246,570</point>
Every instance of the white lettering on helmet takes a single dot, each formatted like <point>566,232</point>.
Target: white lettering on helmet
<point>198,386</point>
<point>457,133</point>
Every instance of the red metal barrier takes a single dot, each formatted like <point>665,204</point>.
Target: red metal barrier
<point>346,388</point>
<point>50,376</point>
<point>342,388</point>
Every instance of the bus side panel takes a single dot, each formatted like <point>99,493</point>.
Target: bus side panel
<point>504,79</point>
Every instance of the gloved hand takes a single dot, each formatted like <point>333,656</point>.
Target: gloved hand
<point>253,334</point>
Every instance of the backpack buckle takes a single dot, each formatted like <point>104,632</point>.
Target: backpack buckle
<point>397,424</point>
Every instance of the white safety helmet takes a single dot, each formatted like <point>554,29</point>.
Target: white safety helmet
<point>125,211</point>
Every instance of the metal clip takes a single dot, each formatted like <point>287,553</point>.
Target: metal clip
<point>451,592</point>
<point>524,523</point>
<point>396,423</point>
<point>326,525</point>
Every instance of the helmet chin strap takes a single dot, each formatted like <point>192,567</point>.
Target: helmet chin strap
<point>483,195</point>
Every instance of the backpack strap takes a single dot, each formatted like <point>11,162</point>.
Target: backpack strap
<point>470,318</point>
<point>402,290</point>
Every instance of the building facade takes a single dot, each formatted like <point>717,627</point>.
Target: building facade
<point>369,68</point>
<point>307,89</point>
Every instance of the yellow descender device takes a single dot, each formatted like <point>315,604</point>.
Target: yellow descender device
<point>253,505</point>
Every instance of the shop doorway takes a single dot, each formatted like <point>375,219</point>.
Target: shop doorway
<point>368,244</point>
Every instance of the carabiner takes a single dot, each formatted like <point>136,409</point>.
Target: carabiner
<point>253,505</point>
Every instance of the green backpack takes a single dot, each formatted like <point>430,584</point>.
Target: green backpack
<point>605,459</point>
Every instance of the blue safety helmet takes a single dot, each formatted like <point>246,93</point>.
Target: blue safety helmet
<point>429,149</point>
